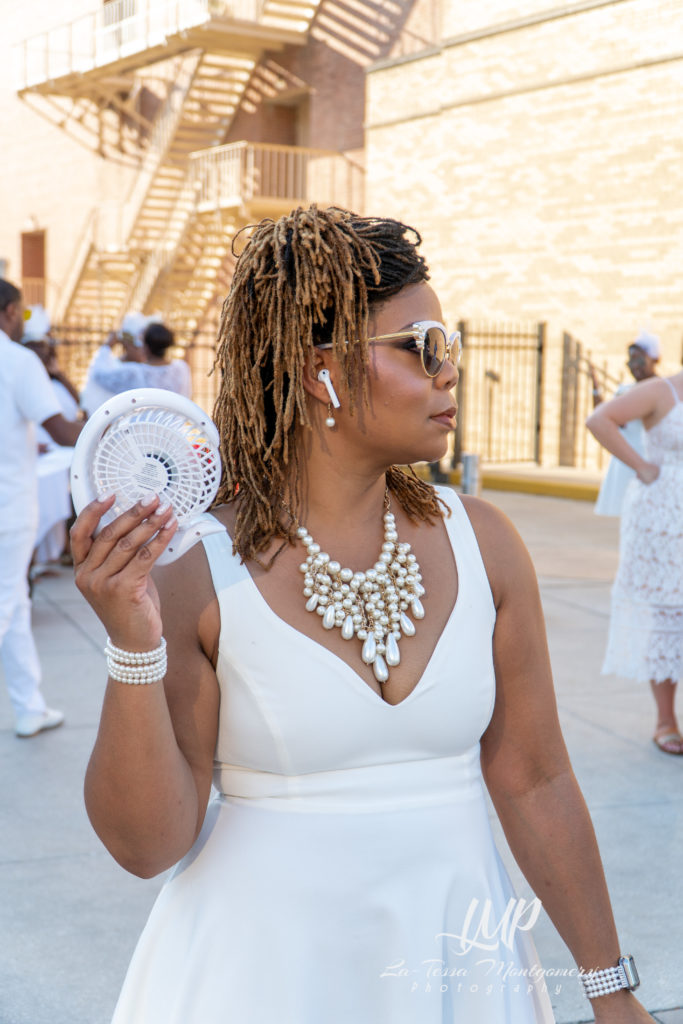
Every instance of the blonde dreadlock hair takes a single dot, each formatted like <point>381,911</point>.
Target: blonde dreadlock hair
<point>309,278</point>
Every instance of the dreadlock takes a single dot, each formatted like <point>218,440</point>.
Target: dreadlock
<point>309,278</point>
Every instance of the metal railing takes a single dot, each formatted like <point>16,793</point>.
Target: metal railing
<point>577,446</point>
<point>76,347</point>
<point>240,173</point>
<point>243,171</point>
<point>500,390</point>
<point>117,30</point>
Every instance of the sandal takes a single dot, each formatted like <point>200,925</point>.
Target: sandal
<point>669,742</point>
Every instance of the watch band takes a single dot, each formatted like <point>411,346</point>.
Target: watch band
<point>611,979</point>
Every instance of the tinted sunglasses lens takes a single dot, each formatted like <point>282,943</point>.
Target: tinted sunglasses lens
<point>434,351</point>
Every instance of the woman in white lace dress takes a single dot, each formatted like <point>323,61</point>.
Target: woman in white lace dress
<point>646,626</point>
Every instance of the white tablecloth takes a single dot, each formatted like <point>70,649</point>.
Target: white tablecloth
<point>54,494</point>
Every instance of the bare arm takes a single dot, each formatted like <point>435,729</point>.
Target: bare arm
<point>528,773</point>
<point>646,401</point>
<point>63,431</point>
<point>149,776</point>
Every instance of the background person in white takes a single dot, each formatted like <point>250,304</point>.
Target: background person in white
<point>154,369</point>
<point>643,356</point>
<point>130,336</point>
<point>26,398</point>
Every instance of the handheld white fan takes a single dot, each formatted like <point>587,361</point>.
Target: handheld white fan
<point>151,440</point>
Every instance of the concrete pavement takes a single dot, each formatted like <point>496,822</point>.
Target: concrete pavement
<point>69,916</point>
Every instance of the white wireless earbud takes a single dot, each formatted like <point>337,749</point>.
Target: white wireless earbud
<point>324,376</point>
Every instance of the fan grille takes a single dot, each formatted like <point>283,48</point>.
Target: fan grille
<point>154,449</point>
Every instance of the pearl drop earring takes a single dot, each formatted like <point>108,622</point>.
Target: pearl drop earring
<point>330,421</point>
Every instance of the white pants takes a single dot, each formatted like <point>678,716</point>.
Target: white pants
<point>17,647</point>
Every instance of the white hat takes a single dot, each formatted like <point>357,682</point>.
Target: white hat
<point>134,324</point>
<point>649,343</point>
<point>37,325</point>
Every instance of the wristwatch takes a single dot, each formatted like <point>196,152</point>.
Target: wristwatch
<point>611,979</point>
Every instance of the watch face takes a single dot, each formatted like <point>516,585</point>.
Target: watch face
<point>629,966</point>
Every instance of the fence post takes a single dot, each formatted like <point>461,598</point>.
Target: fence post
<point>568,402</point>
<point>460,397</point>
<point>538,412</point>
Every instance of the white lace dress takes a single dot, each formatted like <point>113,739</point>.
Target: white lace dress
<point>646,627</point>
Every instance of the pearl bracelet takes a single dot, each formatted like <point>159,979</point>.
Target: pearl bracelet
<point>136,666</point>
<point>611,979</point>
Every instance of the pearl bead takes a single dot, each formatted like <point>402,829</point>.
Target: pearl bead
<point>380,669</point>
<point>371,605</point>
<point>347,628</point>
<point>369,650</point>
<point>330,421</point>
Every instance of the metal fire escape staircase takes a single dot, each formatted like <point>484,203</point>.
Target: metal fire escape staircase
<point>83,73</point>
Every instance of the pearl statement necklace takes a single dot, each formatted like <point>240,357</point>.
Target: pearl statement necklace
<point>371,605</point>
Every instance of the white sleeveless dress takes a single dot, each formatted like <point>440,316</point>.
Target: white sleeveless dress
<point>645,639</point>
<point>347,842</point>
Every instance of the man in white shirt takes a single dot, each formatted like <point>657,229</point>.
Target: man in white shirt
<point>26,399</point>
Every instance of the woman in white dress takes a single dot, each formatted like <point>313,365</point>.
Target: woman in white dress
<point>645,639</point>
<point>643,356</point>
<point>345,868</point>
<point>153,370</point>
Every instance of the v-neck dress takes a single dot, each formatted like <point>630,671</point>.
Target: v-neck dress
<point>346,872</point>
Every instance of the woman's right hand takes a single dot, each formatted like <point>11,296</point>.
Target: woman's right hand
<point>113,568</point>
<point>648,472</point>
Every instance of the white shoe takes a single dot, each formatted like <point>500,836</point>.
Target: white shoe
<point>33,722</point>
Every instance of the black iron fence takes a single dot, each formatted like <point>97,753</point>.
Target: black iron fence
<point>77,346</point>
<point>499,393</point>
<point>580,375</point>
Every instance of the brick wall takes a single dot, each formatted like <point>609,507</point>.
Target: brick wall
<point>543,166</point>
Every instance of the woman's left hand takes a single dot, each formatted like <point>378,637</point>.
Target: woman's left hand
<point>648,473</point>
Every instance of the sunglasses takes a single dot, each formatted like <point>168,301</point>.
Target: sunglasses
<point>430,339</point>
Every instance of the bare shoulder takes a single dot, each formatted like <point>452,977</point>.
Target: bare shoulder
<point>505,556</point>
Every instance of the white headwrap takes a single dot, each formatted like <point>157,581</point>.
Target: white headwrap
<point>134,324</point>
<point>649,343</point>
<point>37,325</point>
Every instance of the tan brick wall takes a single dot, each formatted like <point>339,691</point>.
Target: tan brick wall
<point>545,188</point>
<point>318,73</point>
